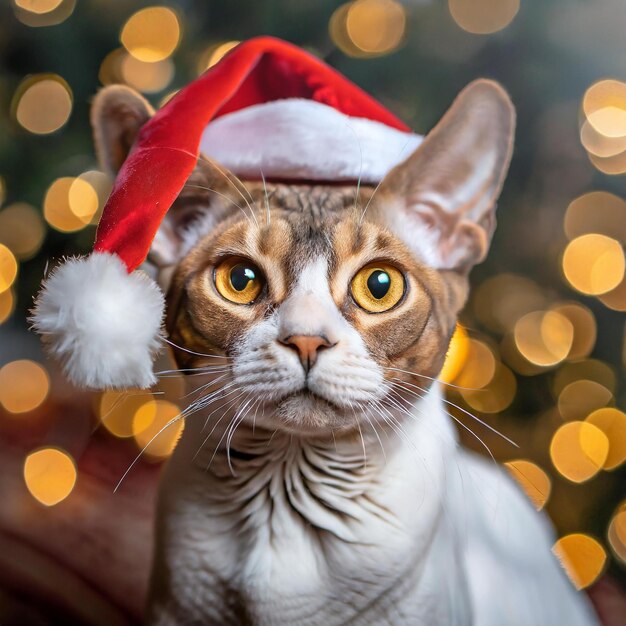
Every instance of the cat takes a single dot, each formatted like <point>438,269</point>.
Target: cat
<point>319,480</point>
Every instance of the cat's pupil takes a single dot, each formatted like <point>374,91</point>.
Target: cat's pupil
<point>378,283</point>
<point>240,276</point>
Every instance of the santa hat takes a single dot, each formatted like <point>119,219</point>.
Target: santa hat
<point>266,109</point>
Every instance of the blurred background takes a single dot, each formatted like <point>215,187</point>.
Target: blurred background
<point>541,343</point>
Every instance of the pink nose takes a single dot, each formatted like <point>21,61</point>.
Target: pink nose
<point>308,347</point>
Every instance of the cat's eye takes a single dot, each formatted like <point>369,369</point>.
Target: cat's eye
<point>378,287</point>
<point>238,280</point>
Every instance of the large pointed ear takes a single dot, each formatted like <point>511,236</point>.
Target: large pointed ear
<point>117,114</point>
<point>441,201</point>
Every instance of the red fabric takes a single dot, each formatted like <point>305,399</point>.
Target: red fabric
<point>257,71</point>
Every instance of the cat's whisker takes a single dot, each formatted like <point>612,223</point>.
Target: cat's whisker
<point>207,356</point>
<point>366,416</point>
<point>464,411</point>
<point>223,195</point>
<point>232,183</point>
<point>435,380</point>
<point>226,407</point>
<point>267,200</point>
<point>244,412</point>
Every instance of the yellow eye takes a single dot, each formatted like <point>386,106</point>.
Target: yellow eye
<point>378,287</point>
<point>238,280</point>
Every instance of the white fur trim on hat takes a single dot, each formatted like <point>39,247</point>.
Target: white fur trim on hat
<point>305,140</point>
<point>103,323</point>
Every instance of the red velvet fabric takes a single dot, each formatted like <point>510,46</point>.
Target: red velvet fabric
<point>257,71</point>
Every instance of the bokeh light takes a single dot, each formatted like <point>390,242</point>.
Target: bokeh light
<point>38,6</point>
<point>67,216</point>
<point>7,305</point>
<point>582,556</point>
<point>483,17</point>
<point>581,397</point>
<point>38,13</point>
<point>579,450</point>
<point>544,338</point>
<point>616,534</point>
<point>584,325</point>
<point>50,475</point>
<point>368,28</point>
<point>612,422</point>
<point>532,479</point>
<point>22,230</point>
<point>117,410</point>
<point>501,300</point>
<point>604,105</point>
<point>147,77</point>
<point>43,103</point>
<point>616,298</point>
<point>151,34</point>
<point>594,264</point>
<point>213,54</point>
<point>24,386</point>
<point>376,26</point>
<point>8,268</point>
<point>597,212</point>
<point>479,366</point>
<point>157,429</point>
<point>456,356</point>
<point>584,369</point>
<point>496,395</point>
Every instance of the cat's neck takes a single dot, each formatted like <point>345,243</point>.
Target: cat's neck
<point>288,521</point>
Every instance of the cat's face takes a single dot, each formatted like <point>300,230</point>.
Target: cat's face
<point>316,308</point>
<point>324,299</point>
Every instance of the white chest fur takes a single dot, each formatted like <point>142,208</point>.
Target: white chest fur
<point>303,532</point>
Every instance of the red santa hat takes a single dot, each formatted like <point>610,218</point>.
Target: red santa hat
<point>266,109</point>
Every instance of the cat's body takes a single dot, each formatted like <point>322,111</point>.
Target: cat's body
<point>304,533</point>
<point>318,479</point>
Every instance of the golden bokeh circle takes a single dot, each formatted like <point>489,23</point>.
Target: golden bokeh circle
<point>58,211</point>
<point>375,27</point>
<point>612,422</point>
<point>215,53</point>
<point>151,34</point>
<point>544,338</point>
<point>24,386</point>
<point>483,17</point>
<point>157,436</point>
<point>532,479</point>
<point>604,105</point>
<point>616,298</point>
<point>43,103</point>
<point>146,77</point>
<point>479,366</point>
<point>7,305</point>
<point>50,475</point>
<point>497,395</point>
<point>22,230</point>
<point>38,6</point>
<point>117,410</point>
<point>456,355</point>
<point>578,451</point>
<point>616,533</point>
<point>584,369</point>
<point>597,212</point>
<point>582,556</point>
<point>585,328</point>
<point>581,397</point>
<point>8,268</point>
<point>594,264</point>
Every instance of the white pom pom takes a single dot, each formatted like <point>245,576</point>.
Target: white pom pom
<point>101,322</point>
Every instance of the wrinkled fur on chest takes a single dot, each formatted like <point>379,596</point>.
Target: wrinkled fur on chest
<point>305,532</point>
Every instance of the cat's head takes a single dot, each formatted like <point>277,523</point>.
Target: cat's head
<point>323,299</point>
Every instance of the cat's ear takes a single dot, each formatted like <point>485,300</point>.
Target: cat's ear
<point>441,201</point>
<point>117,114</point>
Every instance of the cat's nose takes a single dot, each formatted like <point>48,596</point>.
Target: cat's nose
<point>308,347</point>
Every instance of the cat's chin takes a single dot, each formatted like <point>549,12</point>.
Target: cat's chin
<point>304,412</point>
